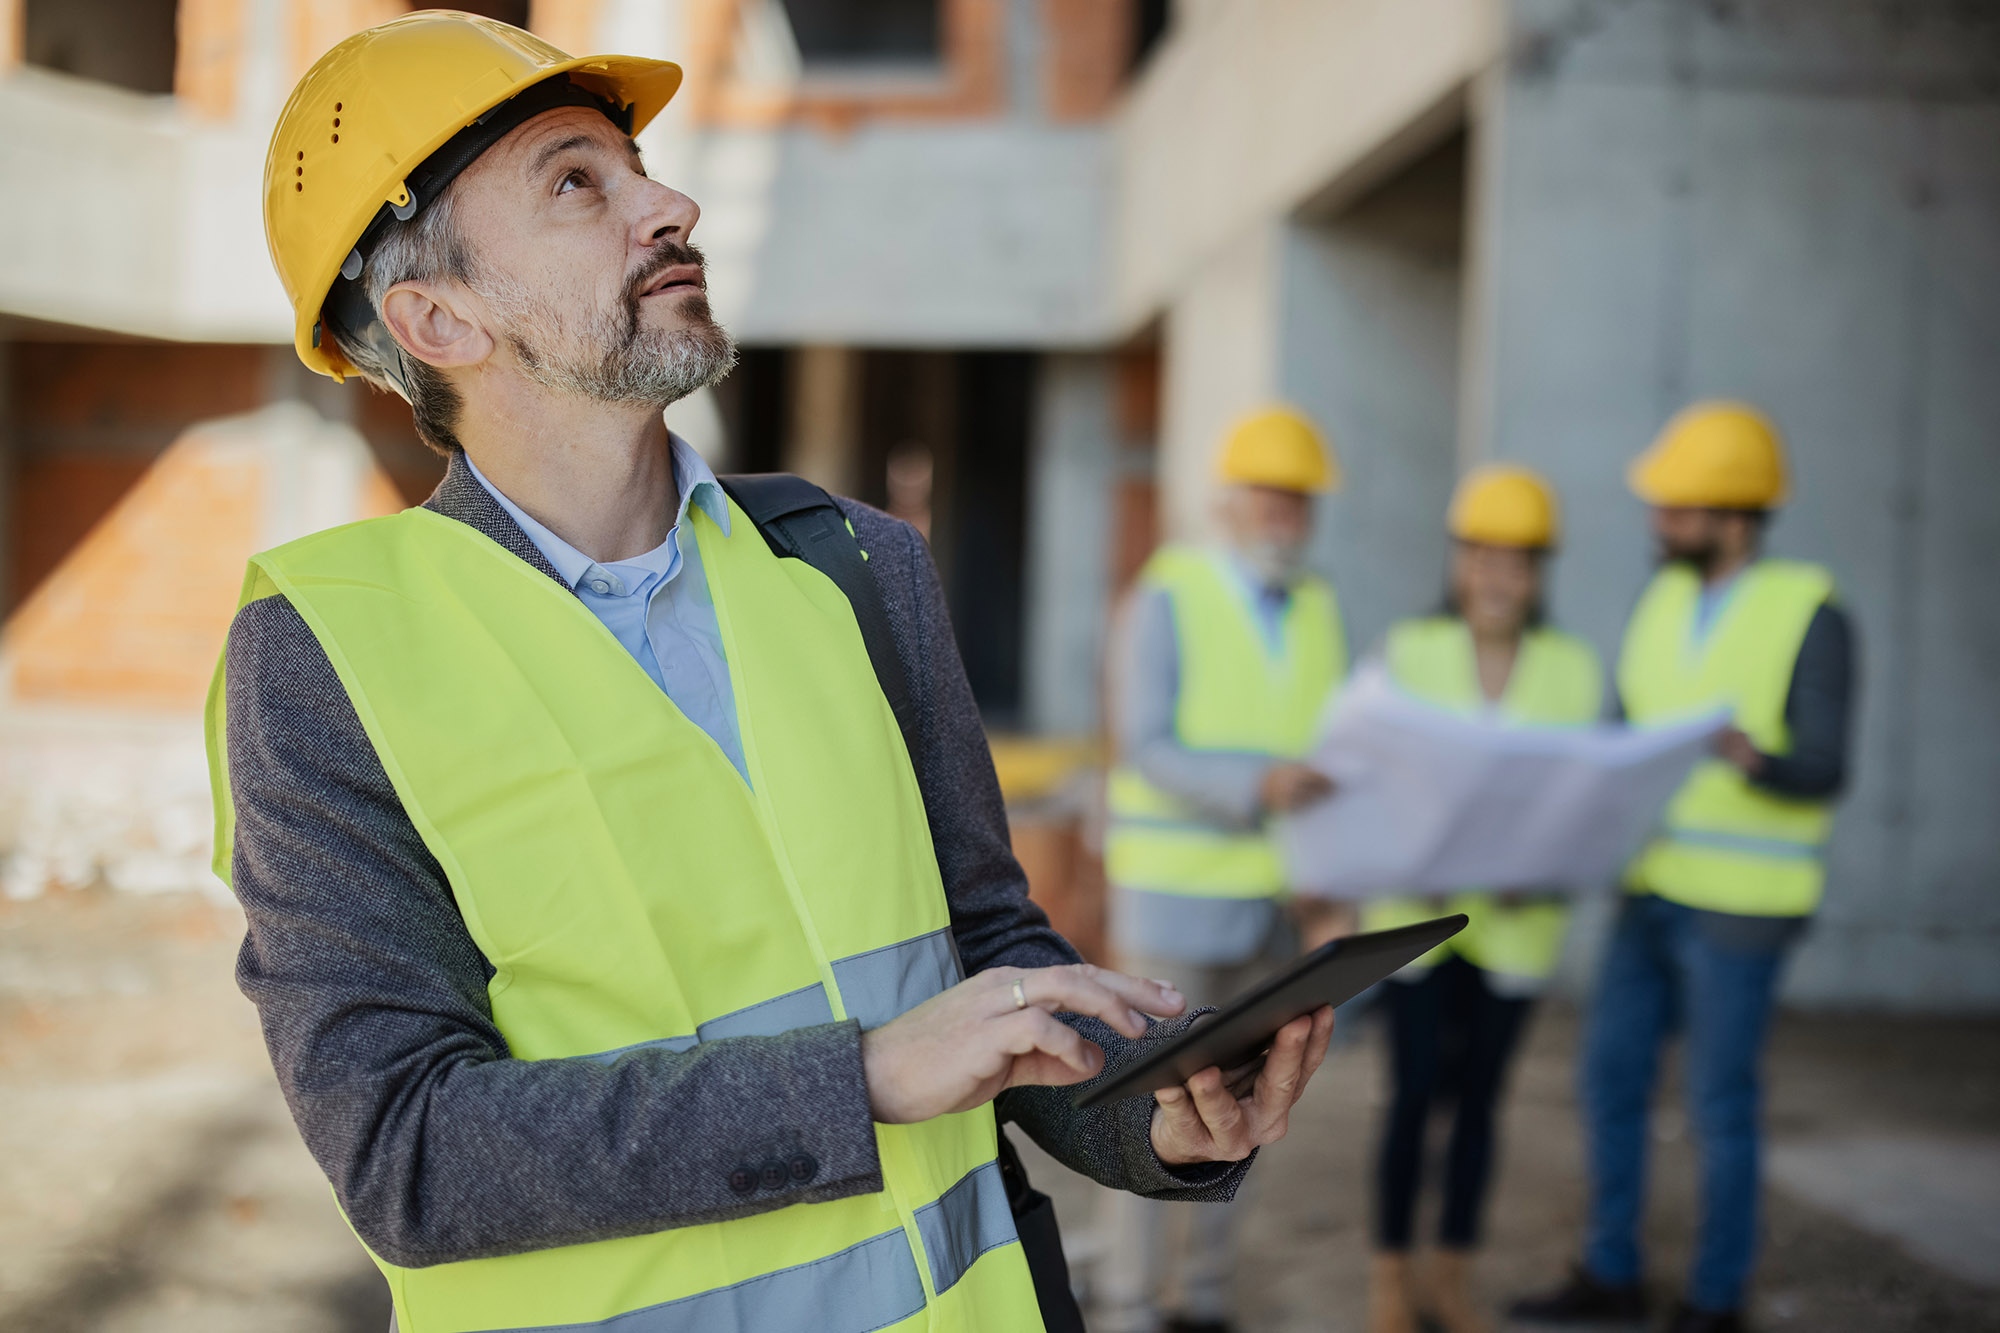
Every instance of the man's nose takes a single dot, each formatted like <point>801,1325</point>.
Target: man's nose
<point>667,215</point>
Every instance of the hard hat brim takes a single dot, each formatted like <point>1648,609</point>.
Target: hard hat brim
<point>644,85</point>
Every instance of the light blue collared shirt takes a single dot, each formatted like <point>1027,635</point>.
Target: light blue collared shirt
<point>1267,603</point>
<point>657,605</point>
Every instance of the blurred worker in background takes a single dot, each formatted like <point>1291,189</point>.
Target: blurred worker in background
<point>1226,658</point>
<point>1455,1016</point>
<point>1717,899</point>
<point>605,924</point>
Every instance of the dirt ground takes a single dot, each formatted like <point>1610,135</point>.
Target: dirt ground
<point>150,1179</point>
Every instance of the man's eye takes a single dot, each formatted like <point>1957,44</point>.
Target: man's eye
<point>574,180</point>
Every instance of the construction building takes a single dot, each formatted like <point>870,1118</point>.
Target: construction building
<point>1007,268</point>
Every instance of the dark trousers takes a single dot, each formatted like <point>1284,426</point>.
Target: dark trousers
<point>1450,1038</point>
<point>1714,978</point>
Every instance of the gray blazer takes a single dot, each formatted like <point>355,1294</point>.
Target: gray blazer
<point>373,1000</point>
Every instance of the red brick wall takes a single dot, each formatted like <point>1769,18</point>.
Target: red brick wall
<point>1088,46</point>
<point>88,419</point>
<point>384,420</point>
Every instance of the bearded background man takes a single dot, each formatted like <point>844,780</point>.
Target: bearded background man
<point>607,946</point>
<point>1225,660</point>
<point>1715,902</point>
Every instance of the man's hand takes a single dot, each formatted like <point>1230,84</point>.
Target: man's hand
<point>1320,920</point>
<point>1733,747</point>
<point>959,1049</point>
<point>1205,1120</point>
<point>1289,786</point>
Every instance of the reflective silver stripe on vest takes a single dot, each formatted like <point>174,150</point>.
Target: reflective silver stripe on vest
<point>802,1008</point>
<point>1782,849</point>
<point>876,986</point>
<point>879,985</point>
<point>969,1219</point>
<point>862,1288</point>
<point>665,1043</point>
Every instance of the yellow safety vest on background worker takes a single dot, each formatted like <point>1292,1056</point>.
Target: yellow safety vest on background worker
<point>630,890</point>
<point>1557,680</point>
<point>1724,844</point>
<point>1237,694</point>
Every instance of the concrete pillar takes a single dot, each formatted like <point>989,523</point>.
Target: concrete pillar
<point>1369,348</point>
<point>1355,318</point>
<point>8,452</point>
<point>1221,360</point>
<point>1072,467</point>
<point>822,439</point>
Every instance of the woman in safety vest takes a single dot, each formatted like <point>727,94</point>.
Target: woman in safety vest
<point>1456,1014</point>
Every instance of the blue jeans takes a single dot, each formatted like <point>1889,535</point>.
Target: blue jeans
<point>1673,969</point>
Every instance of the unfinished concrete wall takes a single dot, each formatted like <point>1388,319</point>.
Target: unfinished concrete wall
<point>1071,473</point>
<point>904,235</point>
<point>1795,202</point>
<point>1251,107</point>
<point>1369,335</point>
<point>1353,314</point>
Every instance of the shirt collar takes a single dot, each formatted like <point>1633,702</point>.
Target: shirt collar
<point>693,478</point>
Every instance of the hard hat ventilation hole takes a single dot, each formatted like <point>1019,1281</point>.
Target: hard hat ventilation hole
<point>336,108</point>
<point>302,154</point>
<point>336,138</point>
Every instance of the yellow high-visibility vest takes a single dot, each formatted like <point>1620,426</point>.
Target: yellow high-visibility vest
<point>1237,695</point>
<point>1724,844</point>
<point>631,890</point>
<point>1557,680</point>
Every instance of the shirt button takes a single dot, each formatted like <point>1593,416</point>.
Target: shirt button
<point>803,1167</point>
<point>772,1174</point>
<point>743,1179</point>
<point>599,586</point>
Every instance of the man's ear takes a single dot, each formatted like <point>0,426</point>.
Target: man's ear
<point>431,321</point>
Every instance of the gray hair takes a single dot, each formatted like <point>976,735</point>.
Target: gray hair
<point>426,248</point>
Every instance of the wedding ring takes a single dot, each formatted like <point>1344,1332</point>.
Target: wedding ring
<point>1020,994</point>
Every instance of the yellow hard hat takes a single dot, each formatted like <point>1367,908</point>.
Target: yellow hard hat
<point>1713,455</point>
<point>1503,504</point>
<point>1278,447</point>
<point>360,139</point>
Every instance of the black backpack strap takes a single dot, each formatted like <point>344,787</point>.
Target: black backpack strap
<point>801,522</point>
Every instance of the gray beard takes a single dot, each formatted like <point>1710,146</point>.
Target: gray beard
<point>615,360</point>
<point>1274,564</point>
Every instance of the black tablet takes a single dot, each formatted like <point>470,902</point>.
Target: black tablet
<point>1239,1033</point>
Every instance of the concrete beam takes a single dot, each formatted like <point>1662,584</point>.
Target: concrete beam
<point>1254,108</point>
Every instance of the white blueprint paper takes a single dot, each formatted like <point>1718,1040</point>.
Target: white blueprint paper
<point>1431,801</point>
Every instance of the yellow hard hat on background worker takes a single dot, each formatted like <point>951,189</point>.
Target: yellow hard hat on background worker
<point>385,121</point>
<point>1280,448</point>
<point>1713,455</point>
<point>1505,504</point>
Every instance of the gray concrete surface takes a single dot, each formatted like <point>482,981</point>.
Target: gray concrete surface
<point>1850,1247</point>
<point>151,1181</point>
<point>1794,202</point>
<point>150,1177</point>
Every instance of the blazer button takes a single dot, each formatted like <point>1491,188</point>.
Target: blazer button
<point>803,1166</point>
<point>772,1174</point>
<point>743,1179</point>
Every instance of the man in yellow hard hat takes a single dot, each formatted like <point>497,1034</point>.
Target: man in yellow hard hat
<point>608,925</point>
<point>1714,902</point>
<point>1225,660</point>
